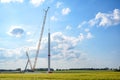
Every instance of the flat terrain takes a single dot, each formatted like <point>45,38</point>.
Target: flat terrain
<point>63,75</point>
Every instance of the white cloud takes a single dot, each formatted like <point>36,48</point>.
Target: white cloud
<point>21,63</point>
<point>116,16</point>
<point>106,19</point>
<point>66,11</point>
<point>53,18</point>
<point>60,42</point>
<point>8,1</point>
<point>68,55</point>
<point>81,37</point>
<point>72,59</point>
<point>92,22</point>
<point>16,31</point>
<point>68,27</point>
<point>87,29</point>
<point>102,20</point>
<point>37,2</point>
<point>67,41</point>
<point>11,53</point>
<point>63,47</point>
<point>30,40</point>
<point>13,64</point>
<point>29,33</point>
<point>58,4</point>
<point>82,24</point>
<point>89,35</point>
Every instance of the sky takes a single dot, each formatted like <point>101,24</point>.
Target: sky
<point>84,33</point>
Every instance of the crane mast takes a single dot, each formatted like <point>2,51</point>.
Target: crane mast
<point>40,39</point>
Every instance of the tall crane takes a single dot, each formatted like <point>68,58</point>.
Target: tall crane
<point>40,39</point>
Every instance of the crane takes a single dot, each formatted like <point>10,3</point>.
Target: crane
<point>40,39</point>
<point>28,61</point>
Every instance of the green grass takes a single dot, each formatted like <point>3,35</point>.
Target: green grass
<point>63,75</point>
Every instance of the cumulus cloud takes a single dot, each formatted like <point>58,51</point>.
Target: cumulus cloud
<point>68,42</point>
<point>63,47</point>
<point>11,53</point>
<point>59,37</point>
<point>8,1</point>
<point>29,33</point>
<point>106,19</point>
<point>66,11</point>
<point>16,31</point>
<point>53,18</point>
<point>71,63</point>
<point>58,4</point>
<point>89,35</point>
<point>68,55</point>
<point>103,19</point>
<point>37,2</point>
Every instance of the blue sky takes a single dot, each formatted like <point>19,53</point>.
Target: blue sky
<point>84,33</point>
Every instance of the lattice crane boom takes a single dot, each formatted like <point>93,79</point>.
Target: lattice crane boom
<point>40,39</point>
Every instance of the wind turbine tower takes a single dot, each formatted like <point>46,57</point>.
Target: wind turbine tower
<point>49,52</point>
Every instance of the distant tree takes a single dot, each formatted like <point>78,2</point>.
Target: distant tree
<point>106,68</point>
<point>18,69</point>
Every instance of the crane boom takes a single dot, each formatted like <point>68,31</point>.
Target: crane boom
<point>38,47</point>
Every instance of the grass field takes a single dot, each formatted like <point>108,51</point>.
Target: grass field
<point>63,75</point>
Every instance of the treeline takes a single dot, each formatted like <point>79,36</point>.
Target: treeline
<point>51,69</point>
<point>39,69</point>
<point>27,70</point>
<point>89,69</point>
<point>10,70</point>
<point>44,69</point>
<point>83,69</point>
<point>115,69</point>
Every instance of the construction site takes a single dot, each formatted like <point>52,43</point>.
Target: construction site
<point>28,62</point>
<point>33,66</point>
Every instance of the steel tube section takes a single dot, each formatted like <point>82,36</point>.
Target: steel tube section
<point>48,52</point>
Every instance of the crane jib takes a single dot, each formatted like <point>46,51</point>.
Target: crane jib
<point>40,39</point>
